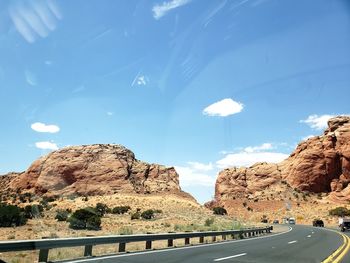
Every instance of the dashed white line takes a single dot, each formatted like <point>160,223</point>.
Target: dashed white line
<point>292,242</point>
<point>309,236</point>
<point>234,256</point>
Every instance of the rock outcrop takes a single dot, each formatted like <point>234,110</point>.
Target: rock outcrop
<point>320,164</point>
<point>98,169</point>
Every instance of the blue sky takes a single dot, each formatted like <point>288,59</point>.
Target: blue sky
<point>199,85</point>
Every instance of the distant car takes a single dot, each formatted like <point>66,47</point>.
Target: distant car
<point>318,222</point>
<point>264,220</point>
<point>291,221</point>
<point>276,221</point>
<point>344,224</point>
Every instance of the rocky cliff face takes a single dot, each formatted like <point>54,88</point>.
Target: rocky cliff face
<point>320,164</point>
<point>94,170</point>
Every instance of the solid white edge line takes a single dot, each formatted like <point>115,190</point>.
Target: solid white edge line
<point>234,256</point>
<point>171,249</point>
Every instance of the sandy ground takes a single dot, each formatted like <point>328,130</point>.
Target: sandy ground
<point>177,215</point>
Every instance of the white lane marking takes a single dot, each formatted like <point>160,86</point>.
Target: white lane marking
<point>312,232</point>
<point>292,242</point>
<point>234,256</point>
<point>309,236</point>
<point>171,249</point>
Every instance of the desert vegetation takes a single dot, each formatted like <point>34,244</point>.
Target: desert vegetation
<point>339,211</point>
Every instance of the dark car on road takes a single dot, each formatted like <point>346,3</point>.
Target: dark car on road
<point>276,221</point>
<point>318,222</point>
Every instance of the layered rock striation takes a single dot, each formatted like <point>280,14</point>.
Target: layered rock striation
<point>98,169</point>
<point>320,164</point>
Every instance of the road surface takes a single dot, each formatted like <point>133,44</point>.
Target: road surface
<point>300,244</point>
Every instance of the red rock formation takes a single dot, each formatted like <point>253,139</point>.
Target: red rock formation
<point>94,170</point>
<point>319,164</point>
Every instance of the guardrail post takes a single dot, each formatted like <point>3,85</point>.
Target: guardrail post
<point>149,244</point>
<point>187,241</point>
<point>213,239</point>
<point>44,254</point>
<point>170,242</point>
<point>88,251</point>
<point>223,237</point>
<point>201,239</point>
<point>122,247</point>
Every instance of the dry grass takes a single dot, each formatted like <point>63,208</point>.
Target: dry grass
<point>178,214</point>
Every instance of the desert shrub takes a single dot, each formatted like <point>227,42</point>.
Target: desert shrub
<point>121,209</point>
<point>45,204</point>
<point>339,211</point>
<point>85,199</point>
<point>86,218</point>
<point>125,230</point>
<point>158,211</point>
<point>135,215</point>
<point>148,214</point>
<point>49,199</point>
<point>33,211</point>
<point>219,210</point>
<point>62,215</point>
<point>22,199</point>
<point>93,223</point>
<point>244,204</point>
<point>101,209</point>
<point>75,223</point>
<point>250,209</point>
<point>11,215</point>
<point>209,221</point>
<point>166,224</point>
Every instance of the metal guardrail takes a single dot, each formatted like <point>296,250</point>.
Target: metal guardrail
<point>44,245</point>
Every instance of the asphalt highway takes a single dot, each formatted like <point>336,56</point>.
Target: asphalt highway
<point>299,244</point>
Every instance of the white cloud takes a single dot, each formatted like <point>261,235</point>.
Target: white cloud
<point>201,166</point>
<point>223,108</point>
<point>264,146</point>
<point>46,145</point>
<point>247,159</point>
<point>160,10</point>
<point>307,137</point>
<point>41,127</point>
<point>189,177</point>
<point>317,122</point>
<point>109,113</point>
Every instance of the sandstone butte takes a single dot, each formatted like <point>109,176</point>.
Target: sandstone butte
<point>99,169</point>
<point>320,164</point>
